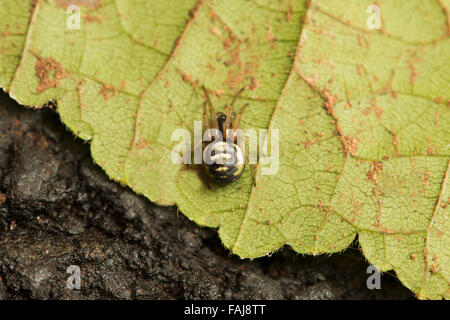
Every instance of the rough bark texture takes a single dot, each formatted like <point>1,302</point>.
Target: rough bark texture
<point>57,209</point>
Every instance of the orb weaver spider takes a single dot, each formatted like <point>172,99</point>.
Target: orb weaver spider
<point>224,158</point>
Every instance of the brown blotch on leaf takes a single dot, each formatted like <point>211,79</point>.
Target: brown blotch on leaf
<point>90,4</point>
<point>141,144</point>
<point>240,72</point>
<point>218,93</point>
<point>446,27</point>
<point>378,111</point>
<point>360,40</point>
<point>254,84</point>
<point>330,102</point>
<point>394,140</point>
<point>188,78</point>
<point>308,144</point>
<point>289,12</point>
<point>375,109</point>
<point>360,70</point>
<point>412,67</point>
<point>49,72</point>
<point>426,176</point>
<point>91,19</point>
<point>350,144</point>
<point>212,15</point>
<point>193,12</point>
<point>106,91</point>
<point>215,31</point>
<point>375,167</point>
<point>270,37</point>
<point>372,175</point>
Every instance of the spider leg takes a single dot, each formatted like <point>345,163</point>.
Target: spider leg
<point>205,126</point>
<point>195,147</point>
<point>228,124</point>
<point>237,96</point>
<point>251,167</point>
<point>205,116</point>
<point>237,120</point>
<point>212,112</point>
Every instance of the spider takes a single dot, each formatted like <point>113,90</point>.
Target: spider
<point>224,158</point>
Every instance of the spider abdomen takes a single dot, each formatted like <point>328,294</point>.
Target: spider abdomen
<point>224,161</point>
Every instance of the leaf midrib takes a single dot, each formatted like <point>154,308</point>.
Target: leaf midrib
<point>436,208</point>
<point>194,11</point>
<point>275,110</point>
<point>28,33</point>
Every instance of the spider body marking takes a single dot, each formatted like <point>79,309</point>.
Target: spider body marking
<point>223,159</point>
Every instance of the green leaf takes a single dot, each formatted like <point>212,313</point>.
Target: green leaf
<point>364,115</point>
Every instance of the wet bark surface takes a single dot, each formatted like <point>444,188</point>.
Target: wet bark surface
<point>57,209</point>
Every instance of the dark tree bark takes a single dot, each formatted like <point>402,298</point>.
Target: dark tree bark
<point>57,208</point>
